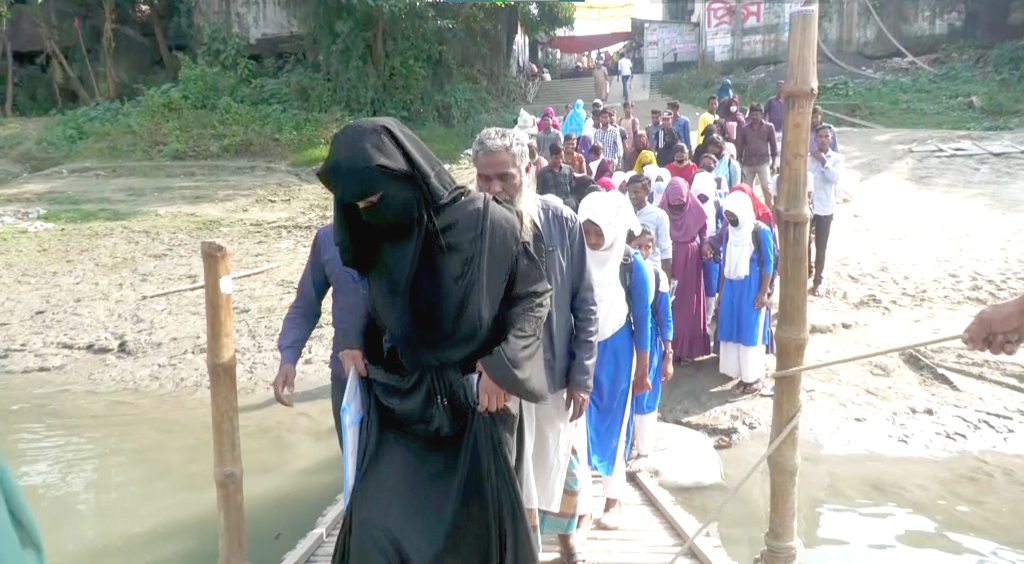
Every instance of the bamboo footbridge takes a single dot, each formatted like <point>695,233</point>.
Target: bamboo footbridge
<point>653,531</point>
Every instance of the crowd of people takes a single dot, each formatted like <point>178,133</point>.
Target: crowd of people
<point>514,336</point>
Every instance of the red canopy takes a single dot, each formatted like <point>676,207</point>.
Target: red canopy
<point>587,43</point>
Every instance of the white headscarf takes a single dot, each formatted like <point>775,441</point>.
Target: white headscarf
<point>741,244</point>
<point>618,178</point>
<point>612,212</point>
<point>704,183</point>
<point>658,177</point>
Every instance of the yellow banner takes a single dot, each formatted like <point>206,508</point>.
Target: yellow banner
<point>605,10</point>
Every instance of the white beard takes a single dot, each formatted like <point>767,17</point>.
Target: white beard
<point>527,204</point>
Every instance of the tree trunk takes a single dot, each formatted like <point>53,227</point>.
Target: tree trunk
<point>108,48</point>
<point>781,543</point>
<point>54,71</point>
<point>88,65</point>
<point>170,62</point>
<point>76,84</point>
<point>9,98</point>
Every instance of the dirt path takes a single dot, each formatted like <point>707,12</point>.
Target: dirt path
<point>926,242</point>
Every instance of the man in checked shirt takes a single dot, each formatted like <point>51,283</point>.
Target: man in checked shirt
<point>609,137</point>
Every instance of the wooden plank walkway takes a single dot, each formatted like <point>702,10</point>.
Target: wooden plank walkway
<point>653,530</point>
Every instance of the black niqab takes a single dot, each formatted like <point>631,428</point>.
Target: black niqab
<point>451,283</point>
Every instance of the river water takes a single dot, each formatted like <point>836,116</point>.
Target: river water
<point>128,477</point>
<point>858,508</point>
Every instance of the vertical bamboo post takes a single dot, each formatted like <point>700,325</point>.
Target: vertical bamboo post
<point>220,362</point>
<point>781,543</point>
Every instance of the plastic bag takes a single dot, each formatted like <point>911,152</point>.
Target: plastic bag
<point>352,411</point>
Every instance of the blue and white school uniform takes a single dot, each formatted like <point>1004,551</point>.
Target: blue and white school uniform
<point>645,405</point>
<point>743,331</point>
<point>623,328</point>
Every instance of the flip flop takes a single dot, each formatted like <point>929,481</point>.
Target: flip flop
<point>575,557</point>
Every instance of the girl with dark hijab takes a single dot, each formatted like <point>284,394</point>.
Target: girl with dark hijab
<point>709,132</point>
<point>688,230</point>
<point>667,152</point>
<point>458,298</point>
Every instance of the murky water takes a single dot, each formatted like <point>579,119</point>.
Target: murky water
<point>119,477</point>
<point>869,508</point>
<point>123,477</point>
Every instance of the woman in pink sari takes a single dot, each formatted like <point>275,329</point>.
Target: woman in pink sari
<point>688,229</point>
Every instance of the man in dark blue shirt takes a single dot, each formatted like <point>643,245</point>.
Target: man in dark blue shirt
<point>324,270</point>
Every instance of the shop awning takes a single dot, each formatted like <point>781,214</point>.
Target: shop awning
<point>587,43</point>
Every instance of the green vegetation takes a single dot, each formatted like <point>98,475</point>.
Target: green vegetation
<point>440,67</point>
<point>970,90</point>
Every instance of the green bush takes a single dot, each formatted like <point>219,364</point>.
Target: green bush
<point>225,106</point>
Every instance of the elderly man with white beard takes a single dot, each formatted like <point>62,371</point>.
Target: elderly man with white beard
<point>555,479</point>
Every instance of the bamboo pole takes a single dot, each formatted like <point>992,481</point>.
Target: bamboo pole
<point>781,543</point>
<point>220,361</point>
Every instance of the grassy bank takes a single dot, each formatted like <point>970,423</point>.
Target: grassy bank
<point>969,90</point>
<point>212,114</point>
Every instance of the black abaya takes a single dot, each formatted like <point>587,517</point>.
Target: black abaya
<point>452,284</point>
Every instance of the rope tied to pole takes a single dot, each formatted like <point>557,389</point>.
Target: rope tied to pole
<point>732,493</point>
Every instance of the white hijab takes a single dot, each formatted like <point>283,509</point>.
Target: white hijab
<point>741,244</point>
<point>704,183</point>
<point>612,212</point>
<point>618,178</point>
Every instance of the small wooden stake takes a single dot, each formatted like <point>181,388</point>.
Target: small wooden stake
<point>220,361</point>
<point>781,543</point>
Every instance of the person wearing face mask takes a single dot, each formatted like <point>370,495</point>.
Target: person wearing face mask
<point>688,230</point>
<point>452,346</point>
<point>727,167</point>
<point>681,167</point>
<point>748,262</point>
<point>658,178</point>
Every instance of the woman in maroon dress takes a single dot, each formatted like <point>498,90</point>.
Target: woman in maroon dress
<point>688,229</point>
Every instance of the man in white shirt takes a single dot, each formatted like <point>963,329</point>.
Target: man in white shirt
<point>638,188</point>
<point>625,73</point>
<point>823,165</point>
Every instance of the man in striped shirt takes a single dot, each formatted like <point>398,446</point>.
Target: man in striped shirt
<point>609,137</point>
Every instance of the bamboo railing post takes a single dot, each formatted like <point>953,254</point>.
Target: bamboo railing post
<point>220,361</point>
<point>793,215</point>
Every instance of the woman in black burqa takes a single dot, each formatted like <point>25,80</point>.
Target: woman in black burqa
<point>454,286</point>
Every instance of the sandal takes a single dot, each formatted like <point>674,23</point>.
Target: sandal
<point>740,389</point>
<point>754,388</point>
<point>575,557</point>
<point>610,521</point>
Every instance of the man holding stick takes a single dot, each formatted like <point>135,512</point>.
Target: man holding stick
<point>997,328</point>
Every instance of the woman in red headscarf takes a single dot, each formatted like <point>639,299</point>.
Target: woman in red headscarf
<point>688,230</point>
<point>761,211</point>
